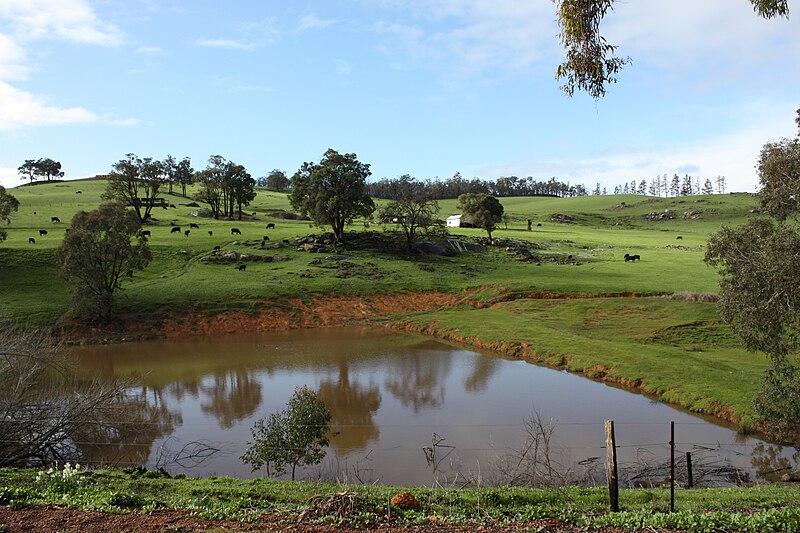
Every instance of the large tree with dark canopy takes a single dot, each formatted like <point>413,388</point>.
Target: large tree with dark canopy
<point>590,62</point>
<point>332,192</point>
<point>102,248</point>
<point>136,182</point>
<point>760,266</point>
<point>7,204</point>
<point>482,210</point>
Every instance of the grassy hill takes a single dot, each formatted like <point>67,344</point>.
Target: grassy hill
<point>675,349</point>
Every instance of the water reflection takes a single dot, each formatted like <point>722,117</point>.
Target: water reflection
<point>388,393</point>
<point>353,407</point>
<point>417,379</point>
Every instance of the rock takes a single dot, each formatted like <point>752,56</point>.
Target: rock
<point>560,217</point>
<point>404,501</point>
<point>791,477</point>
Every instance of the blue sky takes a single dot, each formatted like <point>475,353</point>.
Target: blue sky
<point>423,87</point>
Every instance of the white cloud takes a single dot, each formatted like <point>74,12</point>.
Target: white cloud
<point>9,177</point>
<point>467,39</point>
<point>313,22</point>
<point>20,109</point>
<point>65,20</point>
<point>733,155</point>
<point>12,57</point>
<point>226,43</point>
<point>71,20</point>
<point>149,50</point>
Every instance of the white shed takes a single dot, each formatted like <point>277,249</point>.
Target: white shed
<point>454,221</point>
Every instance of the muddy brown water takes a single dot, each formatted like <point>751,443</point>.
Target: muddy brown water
<point>393,394</point>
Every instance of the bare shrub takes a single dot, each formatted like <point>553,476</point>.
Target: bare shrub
<point>694,296</point>
<point>49,414</point>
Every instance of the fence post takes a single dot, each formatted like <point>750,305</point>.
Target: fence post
<point>689,479</point>
<point>611,466</point>
<point>672,467</point>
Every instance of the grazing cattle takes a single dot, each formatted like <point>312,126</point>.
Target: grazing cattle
<point>254,214</point>
<point>173,206</point>
<point>286,241</point>
<point>186,232</point>
<point>42,232</point>
<point>679,237</point>
<point>145,233</point>
<point>175,229</point>
<point>193,225</point>
<point>270,226</point>
<point>34,212</point>
<point>539,225</point>
<point>216,248</point>
<point>264,238</point>
<point>627,257</point>
<point>631,257</point>
<point>242,267</point>
<point>31,240</point>
<point>235,231</point>
<point>55,220</point>
<point>78,192</point>
<point>210,233</point>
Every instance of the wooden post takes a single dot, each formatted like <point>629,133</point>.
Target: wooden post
<point>611,466</point>
<point>672,467</point>
<point>689,480</point>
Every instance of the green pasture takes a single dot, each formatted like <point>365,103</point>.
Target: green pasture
<point>602,231</point>
<point>756,508</point>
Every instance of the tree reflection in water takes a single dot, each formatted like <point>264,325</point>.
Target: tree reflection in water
<point>233,396</point>
<point>770,463</point>
<point>417,377</point>
<point>352,406</point>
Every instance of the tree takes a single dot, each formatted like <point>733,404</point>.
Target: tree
<point>760,267</point>
<point>226,187</point>
<point>7,204</point>
<point>98,253</point>
<point>277,181</point>
<point>294,436</point>
<point>28,170</point>
<point>136,182</point>
<point>49,169</point>
<point>591,62</point>
<point>483,210</point>
<point>332,192</point>
<point>412,209</point>
<point>708,187</point>
<point>184,174</point>
<point>242,187</point>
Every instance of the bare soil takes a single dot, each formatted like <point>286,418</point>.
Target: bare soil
<point>61,519</point>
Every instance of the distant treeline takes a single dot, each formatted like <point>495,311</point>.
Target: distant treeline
<point>457,185</point>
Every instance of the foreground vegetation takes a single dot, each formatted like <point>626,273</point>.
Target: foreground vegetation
<point>756,508</point>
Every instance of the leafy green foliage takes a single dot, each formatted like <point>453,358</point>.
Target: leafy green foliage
<point>7,204</point>
<point>760,267</point>
<point>332,192</point>
<point>483,211</point>
<point>136,182</point>
<point>590,62</point>
<point>97,254</point>
<point>295,436</point>
<point>411,208</point>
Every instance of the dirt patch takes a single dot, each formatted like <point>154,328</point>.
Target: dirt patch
<point>51,518</point>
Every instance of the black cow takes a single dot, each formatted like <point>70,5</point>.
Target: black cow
<point>631,257</point>
<point>216,248</point>
<point>42,232</point>
<point>31,240</point>
<point>242,267</point>
<point>235,231</point>
<point>539,225</point>
<point>78,192</point>
<point>193,225</point>
<point>146,233</point>
<point>186,232</point>
<point>270,226</point>
<point>173,206</point>
<point>679,237</point>
<point>264,238</point>
<point>210,233</point>
<point>175,229</point>
<point>55,220</point>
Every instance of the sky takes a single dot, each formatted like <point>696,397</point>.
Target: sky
<point>421,87</point>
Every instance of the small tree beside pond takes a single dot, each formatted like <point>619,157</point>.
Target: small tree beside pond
<point>295,436</point>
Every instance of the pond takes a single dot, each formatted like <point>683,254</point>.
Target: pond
<point>392,395</point>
